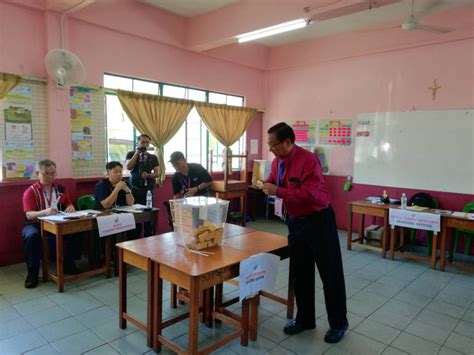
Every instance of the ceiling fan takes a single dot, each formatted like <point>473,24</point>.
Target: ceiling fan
<point>414,24</point>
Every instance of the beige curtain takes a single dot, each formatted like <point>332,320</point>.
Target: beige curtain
<point>226,123</point>
<point>8,82</point>
<point>158,116</point>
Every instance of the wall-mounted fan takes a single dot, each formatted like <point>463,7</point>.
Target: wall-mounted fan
<point>64,66</point>
<point>413,22</point>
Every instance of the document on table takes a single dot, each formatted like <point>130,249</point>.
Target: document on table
<point>464,215</point>
<point>136,208</point>
<point>65,216</point>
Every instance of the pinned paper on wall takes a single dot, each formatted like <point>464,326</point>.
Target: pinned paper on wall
<point>254,146</point>
<point>335,132</point>
<point>305,131</point>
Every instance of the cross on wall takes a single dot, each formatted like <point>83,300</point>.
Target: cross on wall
<point>434,87</point>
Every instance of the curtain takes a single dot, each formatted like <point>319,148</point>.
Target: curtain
<point>157,116</point>
<point>226,123</point>
<point>8,82</point>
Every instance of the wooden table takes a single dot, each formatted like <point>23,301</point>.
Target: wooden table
<point>160,256</point>
<point>233,189</point>
<point>86,224</point>
<point>364,207</point>
<point>139,254</point>
<point>450,221</point>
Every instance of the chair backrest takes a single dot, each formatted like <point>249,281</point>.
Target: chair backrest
<point>422,199</point>
<point>469,207</point>
<point>86,202</point>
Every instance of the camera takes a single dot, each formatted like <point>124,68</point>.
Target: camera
<point>142,149</point>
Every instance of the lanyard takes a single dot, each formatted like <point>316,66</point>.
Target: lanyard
<point>48,198</point>
<point>186,181</point>
<point>281,172</point>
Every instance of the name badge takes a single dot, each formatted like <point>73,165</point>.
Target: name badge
<point>278,207</point>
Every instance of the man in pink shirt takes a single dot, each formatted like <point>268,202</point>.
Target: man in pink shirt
<point>296,177</point>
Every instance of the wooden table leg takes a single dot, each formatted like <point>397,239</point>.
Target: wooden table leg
<point>244,337</point>
<point>193,316</point>
<point>44,241</point>
<point>349,228</point>
<point>253,324</point>
<point>385,235</point>
<point>361,228</point>
<point>150,303</point>
<point>434,251</point>
<point>392,242</point>
<point>157,307</point>
<point>173,298</point>
<point>218,299</point>
<point>108,255</point>
<point>442,249</point>
<point>208,306</point>
<point>60,261</point>
<point>122,289</point>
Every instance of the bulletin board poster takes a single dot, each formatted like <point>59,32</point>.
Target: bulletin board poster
<point>18,160</point>
<point>18,148</point>
<point>81,112</point>
<point>305,131</point>
<point>335,132</point>
<point>81,123</point>
<point>82,156</point>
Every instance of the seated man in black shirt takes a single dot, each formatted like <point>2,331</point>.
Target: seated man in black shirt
<point>112,191</point>
<point>190,179</point>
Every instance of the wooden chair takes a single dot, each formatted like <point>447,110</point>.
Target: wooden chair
<point>228,188</point>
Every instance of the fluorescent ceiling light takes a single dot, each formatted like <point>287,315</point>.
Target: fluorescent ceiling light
<point>273,30</point>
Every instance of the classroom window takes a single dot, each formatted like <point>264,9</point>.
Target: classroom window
<point>193,138</point>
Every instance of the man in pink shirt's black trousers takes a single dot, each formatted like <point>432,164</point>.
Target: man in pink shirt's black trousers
<point>296,177</point>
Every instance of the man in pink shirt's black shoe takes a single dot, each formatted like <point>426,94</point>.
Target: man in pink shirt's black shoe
<point>296,177</point>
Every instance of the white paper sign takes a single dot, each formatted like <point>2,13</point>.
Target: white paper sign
<point>257,273</point>
<point>416,220</point>
<point>254,146</point>
<point>278,207</point>
<point>115,223</point>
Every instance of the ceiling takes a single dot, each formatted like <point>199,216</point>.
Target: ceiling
<point>273,12</point>
<point>188,8</point>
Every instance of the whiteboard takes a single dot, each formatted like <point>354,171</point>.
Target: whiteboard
<point>425,150</point>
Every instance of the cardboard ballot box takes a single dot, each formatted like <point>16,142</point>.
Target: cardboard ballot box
<point>199,221</point>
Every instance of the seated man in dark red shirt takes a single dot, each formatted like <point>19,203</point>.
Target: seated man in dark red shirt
<point>44,198</point>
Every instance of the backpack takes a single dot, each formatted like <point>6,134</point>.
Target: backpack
<point>421,199</point>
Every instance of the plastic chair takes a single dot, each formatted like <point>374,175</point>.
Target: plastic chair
<point>86,202</point>
<point>429,242</point>
<point>469,208</point>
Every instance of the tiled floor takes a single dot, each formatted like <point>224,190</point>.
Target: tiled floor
<point>395,307</point>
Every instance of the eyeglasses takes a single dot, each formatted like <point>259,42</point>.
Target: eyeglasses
<point>273,145</point>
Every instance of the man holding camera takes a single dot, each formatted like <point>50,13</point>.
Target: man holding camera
<point>144,169</point>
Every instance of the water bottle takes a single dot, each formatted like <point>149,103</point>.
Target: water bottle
<point>149,200</point>
<point>403,201</point>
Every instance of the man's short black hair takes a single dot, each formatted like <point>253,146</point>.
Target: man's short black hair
<point>112,164</point>
<point>282,131</point>
<point>139,138</point>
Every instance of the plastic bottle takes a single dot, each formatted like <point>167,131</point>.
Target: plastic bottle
<point>403,201</point>
<point>149,200</point>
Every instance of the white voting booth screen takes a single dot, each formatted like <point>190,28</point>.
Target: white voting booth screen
<point>257,273</point>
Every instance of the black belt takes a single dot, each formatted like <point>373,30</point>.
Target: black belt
<point>309,216</point>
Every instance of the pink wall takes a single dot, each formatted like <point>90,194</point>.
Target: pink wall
<point>341,76</point>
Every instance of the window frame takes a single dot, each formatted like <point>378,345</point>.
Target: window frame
<point>216,167</point>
